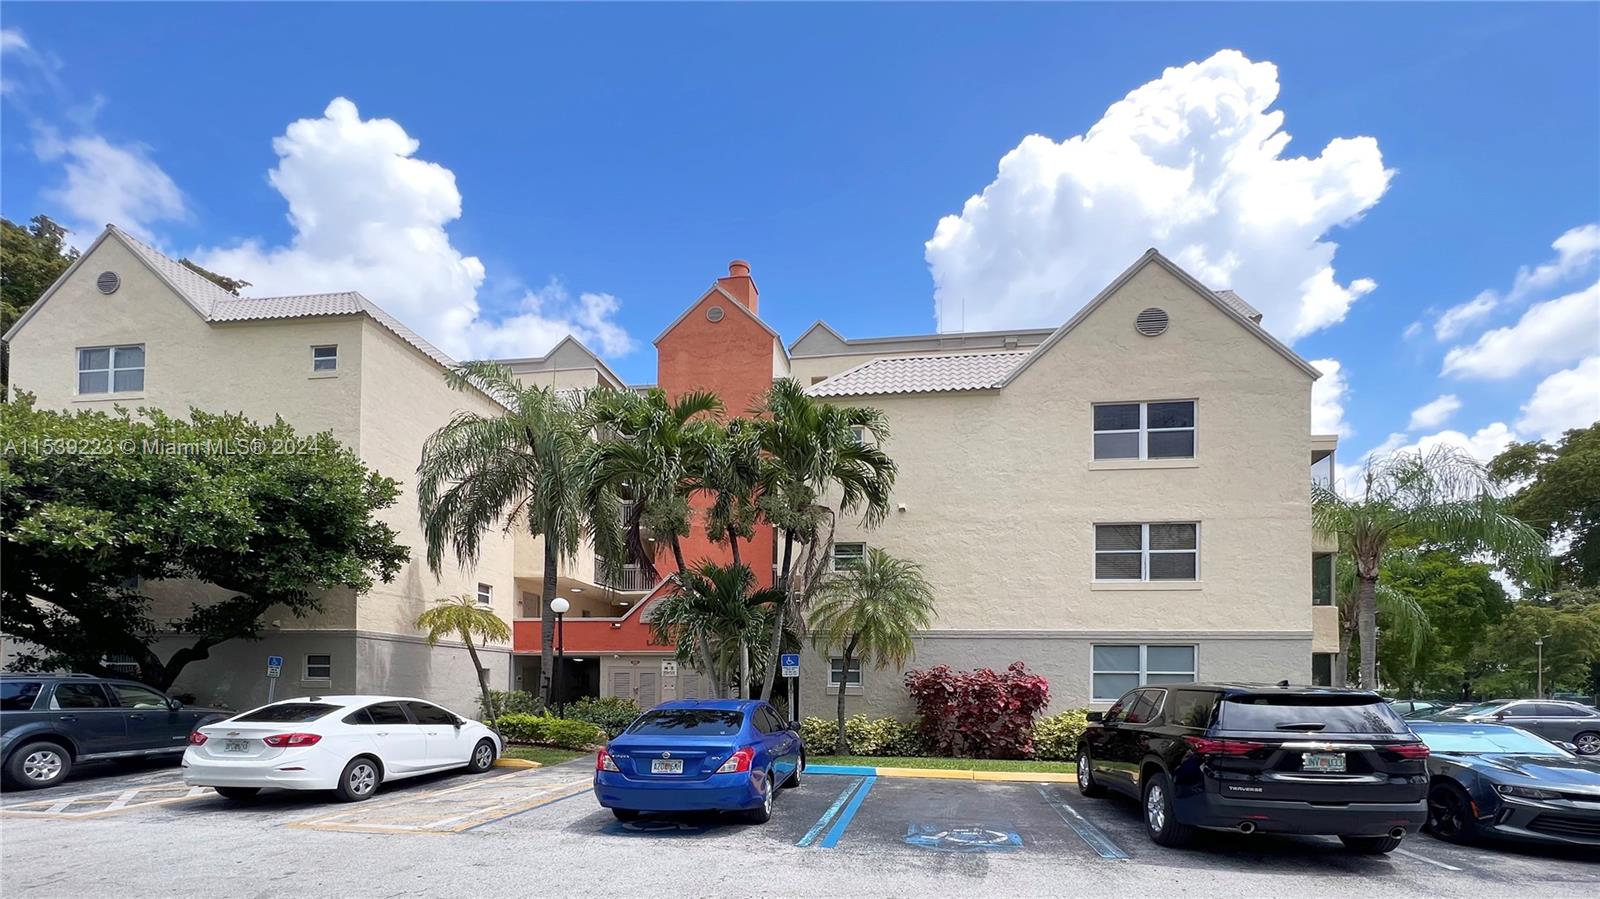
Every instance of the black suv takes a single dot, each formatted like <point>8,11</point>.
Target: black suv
<point>49,722</point>
<point>1249,757</point>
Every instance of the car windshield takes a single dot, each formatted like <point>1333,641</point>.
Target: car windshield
<point>1471,740</point>
<point>688,722</point>
<point>289,712</point>
<point>1313,713</point>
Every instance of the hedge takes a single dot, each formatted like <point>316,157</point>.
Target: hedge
<point>549,731</point>
<point>1055,737</point>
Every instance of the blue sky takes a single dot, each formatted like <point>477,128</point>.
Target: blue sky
<point>607,162</point>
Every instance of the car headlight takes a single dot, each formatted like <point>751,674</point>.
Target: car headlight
<point>1526,792</point>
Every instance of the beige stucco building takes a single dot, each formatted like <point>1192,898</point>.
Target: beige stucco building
<point>1122,499</point>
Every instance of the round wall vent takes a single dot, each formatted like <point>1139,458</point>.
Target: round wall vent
<point>715,314</point>
<point>108,282</point>
<point>1152,322</point>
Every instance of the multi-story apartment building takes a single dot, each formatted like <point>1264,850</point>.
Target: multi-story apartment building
<point>1121,499</point>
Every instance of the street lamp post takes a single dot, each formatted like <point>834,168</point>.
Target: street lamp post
<point>559,606</point>
<point>1538,645</point>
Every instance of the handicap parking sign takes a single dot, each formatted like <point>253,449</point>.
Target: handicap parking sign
<point>791,664</point>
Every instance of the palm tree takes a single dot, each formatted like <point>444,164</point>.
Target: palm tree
<point>874,610</point>
<point>1439,496</point>
<point>464,617</point>
<point>524,467</point>
<point>654,449</point>
<point>1403,617</point>
<point>711,615</point>
<point>731,474</point>
<point>811,451</point>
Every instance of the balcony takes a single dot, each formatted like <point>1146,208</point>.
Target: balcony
<point>630,580</point>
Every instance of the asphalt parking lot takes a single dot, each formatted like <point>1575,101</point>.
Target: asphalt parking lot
<point>539,832</point>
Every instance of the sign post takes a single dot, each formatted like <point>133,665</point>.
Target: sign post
<point>274,668</point>
<point>790,662</point>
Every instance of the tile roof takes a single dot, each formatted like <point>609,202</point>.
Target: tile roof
<point>921,374</point>
<point>1237,304</point>
<point>195,288</point>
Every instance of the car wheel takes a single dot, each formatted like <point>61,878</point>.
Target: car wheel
<point>359,779</point>
<point>625,814</point>
<point>1371,845</point>
<point>238,793</point>
<point>482,757</point>
<point>1086,782</point>
<point>1450,814</point>
<point>762,813</point>
<point>1588,743</point>
<point>794,777</point>
<point>37,765</point>
<point>1160,817</point>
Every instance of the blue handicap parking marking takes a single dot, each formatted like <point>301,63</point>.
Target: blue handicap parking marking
<point>962,839</point>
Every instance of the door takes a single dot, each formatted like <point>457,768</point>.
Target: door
<point>1555,721</point>
<point>152,724</point>
<point>641,685</point>
<point>446,743</point>
<point>1520,714</point>
<point>1127,750</point>
<point>399,743</point>
<point>1102,751</point>
<point>783,745</point>
<point>84,713</point>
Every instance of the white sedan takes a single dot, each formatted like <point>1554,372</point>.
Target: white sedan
<point>348,744</point>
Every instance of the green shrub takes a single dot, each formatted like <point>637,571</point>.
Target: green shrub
<point>511,702</point>
<point>818,734</point>
<point>611,714</point>
<point>865,736</point>
<point>569,734</point>
<point>521,727</point>
<point>1055,737</point>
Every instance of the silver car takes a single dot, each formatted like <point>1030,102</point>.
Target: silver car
<point>1561,722</point>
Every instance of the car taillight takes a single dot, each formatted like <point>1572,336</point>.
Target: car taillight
<point>1409,750</point>
<point>291,739</point>
<point>603,762</point>
<point>197,739</point>
<point>739,761</point>
<point>1212,746</point>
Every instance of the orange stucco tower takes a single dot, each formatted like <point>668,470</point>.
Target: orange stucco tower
<point>721,344</point>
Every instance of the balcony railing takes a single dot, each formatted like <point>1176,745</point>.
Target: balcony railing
<point>630,580</point>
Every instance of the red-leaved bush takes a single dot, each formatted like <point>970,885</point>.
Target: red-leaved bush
<point>978,714</point>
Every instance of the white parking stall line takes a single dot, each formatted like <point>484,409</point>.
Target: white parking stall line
<point>1423,858</point>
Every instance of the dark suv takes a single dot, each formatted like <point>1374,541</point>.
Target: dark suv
<point>49,722</point>
<point>1249,757</point>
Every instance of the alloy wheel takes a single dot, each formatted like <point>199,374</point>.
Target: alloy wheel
<point>42,765</point>
<point>363,778</point>
<point>1085,779</point>
<point>1444,814</point>
<point>1155,808</point>
<point>1588,744</point>
<point>483,756</point>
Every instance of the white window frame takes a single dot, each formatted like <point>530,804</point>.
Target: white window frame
<point>334,358</point>
<point>1144,671</point>
<point>855,665</point>
<point>328,665</point>
<point>110,370</point>
<point>1144,430</point>
<point>833,557</point>
<point>485,594</point>
<point>1145,552</point>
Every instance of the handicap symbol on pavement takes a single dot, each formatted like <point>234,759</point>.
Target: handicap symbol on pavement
<point>961,839</point>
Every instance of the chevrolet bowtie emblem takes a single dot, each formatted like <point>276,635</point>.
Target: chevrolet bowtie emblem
<point>666,755</point>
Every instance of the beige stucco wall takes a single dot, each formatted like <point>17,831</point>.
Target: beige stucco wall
<point>1324,628</point>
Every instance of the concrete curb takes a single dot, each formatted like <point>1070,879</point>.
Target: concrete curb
<point>517,763</point>
<point>1031,777</point>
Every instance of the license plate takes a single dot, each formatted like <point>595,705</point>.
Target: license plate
<point>235,746</point>
<point>666,766</point>
<point>1325,762</point>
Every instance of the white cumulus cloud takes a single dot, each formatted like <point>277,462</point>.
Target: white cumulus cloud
<point>1191,163</point>
<point>1549,334</point>
<point>369,215</point>
<point>1327,399</point>
<point>1575,249</point>
<point>109,183</point>
<point>1435,413</point>
<point>1567,399</point>
<point>1455,321</point>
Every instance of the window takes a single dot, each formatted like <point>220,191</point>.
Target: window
<point>385,713</point>
<point>848,555</point>
<point>688,723</point>
<point>1191,708</point>
<point>1322,669</point>
<point>427,713</point>
<point>18,695</point>
<point>324,358</point>
<point>1147,552</point>
<point>859,434</point>
<point>1322,579</point>
<point>319,667</point>
<point>485,595</point>
<point>1144,708</point>
<point>289,712</point>
<point>1118,669</point>
<point>133,696</point>
<point>837,673</point>
<point>1163,430</point>
<point>110,369</point>
<point>1336,713</point>
<point>79,696</point>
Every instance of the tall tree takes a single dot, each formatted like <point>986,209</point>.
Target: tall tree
<point>1439,496</point>
<point>1571,646</point>
<point>1459,601</point>
<point>465,618</point>
<point>31,259</point>
<point>711,615</point>
<point>1406,630</point>
<point>815,452</point>
<point>157,498</point>
<point>526,467</point>
<point>731,476</point>
<point>1560,495</point>
<point>872,611</point>
<point>652,450</point>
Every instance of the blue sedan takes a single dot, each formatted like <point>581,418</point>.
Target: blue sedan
<point>700,755</point>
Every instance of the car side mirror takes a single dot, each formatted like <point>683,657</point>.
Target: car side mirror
<point>1095,717</point>
<point>793,725</point>
<point>1570,747</point>
<point>174,704</point>
<point>1499,716</point>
